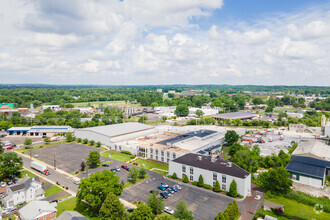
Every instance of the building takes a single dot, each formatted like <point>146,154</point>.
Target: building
<point>25,190</point>
<point>212,169</point>
<point>236,115</point>
<point>297,127</point>
<point>71,215</point>
<point>327,131</point>
<point>109,135</point>
<point>169,110</point>
<point>5,110</point>
<point>54,108</point>
<point>38,210</point>
<point>254,107</point>
<point>310,163</point>
<point>37,131</point>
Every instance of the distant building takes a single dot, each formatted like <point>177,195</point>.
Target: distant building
<point>71,215</point>
<point>38,210</point>
<point>43,130</point>
<point>159,90</point>
<point>25,190</point>
<point>212,169</point>
<point>236,115</point>
<point>327,131</point>
<point>54,108</point>
<point>297,127</point>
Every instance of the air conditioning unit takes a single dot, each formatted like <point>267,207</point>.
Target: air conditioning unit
<point>199,157</point>
<point>213,159</point>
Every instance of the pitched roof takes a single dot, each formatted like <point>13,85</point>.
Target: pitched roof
<point>219,166</point>
<point>24,183</point>
<point>71,215</point>
<point>34,208</point>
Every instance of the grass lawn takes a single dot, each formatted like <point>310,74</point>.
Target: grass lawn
<point>10,217</point>
<point>163,173</point>
<point>116,156</point>
<point>138,180</point>
<point>26,172</point>
<point>70,205</point>
<point>62,197</point>
<point>34,147</point>
<point>53,190</point>
<point>293,208</point>
<point>151,164</point>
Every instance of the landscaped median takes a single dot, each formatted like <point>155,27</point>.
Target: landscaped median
<point>35,147</point>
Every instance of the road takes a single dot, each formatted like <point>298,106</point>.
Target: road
<point>55,176</point>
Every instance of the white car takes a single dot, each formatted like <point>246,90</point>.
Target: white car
<point>117,168</point>
<point>3,184</point>
<point>168,210</point>
<point>178,187</point>
<point>77,182</point>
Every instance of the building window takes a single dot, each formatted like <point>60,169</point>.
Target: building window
<point>168,154</point>
<point>183,175</point>
<point>215,177</point>
<point>157,151</point>
<point>183,168</point>
<point>151,150</point>
<point>151,156</point>
<point>214,183</point>
<point>168,160</point>
<point>191,178</point>
<point>191,170</point>
<point>224,178</point>
<point>162,159</point>
<point>174,155</point>
<point>162,153</point>
<point>224,187</point>
<point>156,157</point>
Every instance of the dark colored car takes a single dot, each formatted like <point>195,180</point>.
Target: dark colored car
<point>154,191</point>
<point>163,195</point>
<point>105,165</point>
<point>54,201</point>
<point>113,170</point>
<point>9,183</point>
<point>15,181</point>
<point>130,210</point>
<point>161,187</point>
<point>174,189</point>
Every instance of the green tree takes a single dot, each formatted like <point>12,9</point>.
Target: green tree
<point>91,142</point>
<point>27,142</point>
<point>220,216</point>
<point>97,187</point>
<point>85,141</point>
<point>200,181</point>
<point>112,208</point>
<point>10,165</point>
<point>69,137</point>
<point>153,105</point>
<point>269,109</point>
<point>174,176</point>
<point>234,148</point>
<point>98,144</point>
<point>133,174</point>
<point>93,159</point>
<point>166,217</point>
<point>142,173</point>
<point>181,110</point>
<point>156,204</point>
<point>217,187</point>
<point>231,137</point>
<point>277,181</point>
<point>47,140</point>
<point>143,119</point>
<point>185,179</point>
<point>199,113</point>
<point>164,118</point>
<point>182,212</point>
<point>233,189</point>
<point>237,122</point>
<point>143,212</point>
<point>79,140</point>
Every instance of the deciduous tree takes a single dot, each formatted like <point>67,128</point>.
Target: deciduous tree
<point>142,212</point>
<point>10,165</point>
<point>112,208</point>
<point>93,159</point>
<point>156,204</point>
<point>182,212</point>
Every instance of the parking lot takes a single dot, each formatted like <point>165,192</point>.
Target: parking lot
<point>18,140</point>
<point>68,156</point>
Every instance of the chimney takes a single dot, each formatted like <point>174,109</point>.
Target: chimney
<point>229,164</point>
<point>199,158</point>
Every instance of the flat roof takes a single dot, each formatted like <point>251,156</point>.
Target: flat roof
<point>200,134</point>
<point>219,165</point>
<point>118,129</point>
<point>19,129</point>
<point>313,148</point>
<point>235,115</point>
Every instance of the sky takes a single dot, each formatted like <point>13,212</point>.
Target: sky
<point>155,42</point>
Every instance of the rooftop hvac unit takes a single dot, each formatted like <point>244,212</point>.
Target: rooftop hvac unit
<point>199,157</point>
<point>229,164</point>
<point>213,159</point>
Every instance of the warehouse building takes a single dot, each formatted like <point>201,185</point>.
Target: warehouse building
<point>109,135</point>
<point>212,169</point>
<point>236,115</point>
<point>310,163</point>
<point>37,131</point>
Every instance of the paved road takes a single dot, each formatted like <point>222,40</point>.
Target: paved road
<point>56,176</point>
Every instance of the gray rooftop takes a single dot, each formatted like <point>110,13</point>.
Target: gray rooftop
<point>235,115</point>
<point>71,215</point>
<point>31,210</point>
<point>118,129</point>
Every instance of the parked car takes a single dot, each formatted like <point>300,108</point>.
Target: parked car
<point>127,168</point>
<point>3,184</point>
<point>174,189</point>
<point>36,155</point>
<point>154,191</point>
<point>117,168</point>
<point>164,185</point>
<point>178,187</point>
<point>113,170</point>
<point>9,183</point>
<point>124,167</point>
<point>161,187</point>
<point>2,195</point>
<point>167,193</point>
<point>15,181</point>
<point>170,191</point>
<point>13,145</point>
<point>130,210</point>
<point>163,195</point>
<point>168,210</point>
<point>105,165</point>
<point>54,201</point>
<point>77,182</point>
<point>10,148</point>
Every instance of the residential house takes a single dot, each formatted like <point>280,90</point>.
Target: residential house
<point>38,210</point>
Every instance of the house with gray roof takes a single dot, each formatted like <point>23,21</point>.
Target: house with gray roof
<point>71,215</point>
<point>38,210</point>
<point>25,190</point>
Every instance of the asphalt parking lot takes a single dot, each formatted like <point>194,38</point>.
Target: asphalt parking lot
<point>68,156</point>
<point>204,205</point>
<point>18,140</point>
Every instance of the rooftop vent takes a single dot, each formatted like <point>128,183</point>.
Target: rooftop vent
<point>199,157</point>
<point>213,159</point>
<point>229,164</point>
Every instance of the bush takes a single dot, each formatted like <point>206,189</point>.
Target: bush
<point>185,179</point>
<point>132,157</point>
<point>85,141</point>
<point>233,189</point>
<point>195,183</point>
<point>174,176</point>
<point>239,195</point>
<point>217,187</point>
<point>79,140</point>
<point>207,186</point>
<point>98,144</point>
<point>200,181</point>
<point>91,142</point>
<point>41,146</point>
<point>125,152</point>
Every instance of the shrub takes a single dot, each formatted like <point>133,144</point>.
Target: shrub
<point>91,142</point>
<point>41,146</point>
<point>174,176</point>
<point>185,179</point>
<point>233,189</point>
<point>200,181</point>
<point>132,157</point>
<point>195,183</point>
<point>98,144</point>
<point>207,186</point>
<point>79,140</point>
<point>126,152</point>
<point>239,195</point>
<point>279,211</point>
<point>217,187</point>
<point>85,141</point>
